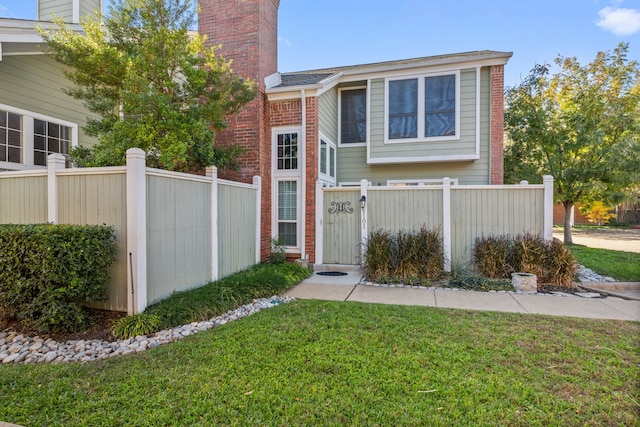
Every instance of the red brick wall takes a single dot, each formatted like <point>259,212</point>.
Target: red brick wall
<point>312,153</point>
<point>497,125</point>
<point>247,32</point>
<point>289,113</point>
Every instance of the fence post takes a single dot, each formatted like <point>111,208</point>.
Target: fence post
<point>547,181</point>
<point>257,181</point>
<point>446,223</point>
<point>54,162</point>
<point>364,228</point>
<point>319,223</point>
<point>136,230</point>
<point>212,172</point>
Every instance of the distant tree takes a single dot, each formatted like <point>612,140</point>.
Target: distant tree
<point>152,83</point>
<point>580,125</point>
<point>598,212</point>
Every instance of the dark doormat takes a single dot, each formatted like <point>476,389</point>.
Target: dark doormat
<point>332,273</point>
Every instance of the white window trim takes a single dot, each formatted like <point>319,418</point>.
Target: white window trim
<point>286,175</point>
<point>274,209</point>
<point>331,180</point>
<point>27,136</point>
<point>421,108</point>
<point>368,104</point>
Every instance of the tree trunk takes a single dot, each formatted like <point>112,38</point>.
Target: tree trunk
<point>568,240</point>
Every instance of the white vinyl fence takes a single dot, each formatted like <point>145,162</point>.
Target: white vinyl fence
<point>174,231</point>
<point>462,213</point>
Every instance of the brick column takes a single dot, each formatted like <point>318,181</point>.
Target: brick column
<point>497,125</point>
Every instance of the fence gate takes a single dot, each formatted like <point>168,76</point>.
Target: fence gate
<point>342,219</point>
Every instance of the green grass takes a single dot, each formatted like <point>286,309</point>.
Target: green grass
<point>622,266</point>
<point>331,363</point>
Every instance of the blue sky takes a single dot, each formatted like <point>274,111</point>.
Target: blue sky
<point>326,33</point>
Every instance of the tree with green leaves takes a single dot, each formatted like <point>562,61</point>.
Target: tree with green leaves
<point>581,125</point>
<point>152,83</point>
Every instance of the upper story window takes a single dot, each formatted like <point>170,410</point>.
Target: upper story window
<point>420,108</point>
<point>287,151</point>
<point>353,116</point>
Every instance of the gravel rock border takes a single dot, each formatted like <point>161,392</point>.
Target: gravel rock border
<point>17,348</point>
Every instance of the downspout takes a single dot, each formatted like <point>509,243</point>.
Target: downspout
<point>303,182</point>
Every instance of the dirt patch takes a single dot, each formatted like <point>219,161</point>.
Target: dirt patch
<point>99,329</point>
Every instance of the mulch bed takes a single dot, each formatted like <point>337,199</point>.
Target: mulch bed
<point>99,329</point>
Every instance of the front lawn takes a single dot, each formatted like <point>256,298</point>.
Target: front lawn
<point>337,363</point>
<point>622,266</point>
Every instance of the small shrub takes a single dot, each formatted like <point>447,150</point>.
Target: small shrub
<point>278,254</point>
<point>138,324</point>
<point>550,261</point>
<point>430,256</point>
<point>378,256</point>
<point>404,257</point>
<point>48,272</point>
<point>491,256</point>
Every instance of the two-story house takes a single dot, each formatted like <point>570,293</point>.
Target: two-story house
<point>401,122</point>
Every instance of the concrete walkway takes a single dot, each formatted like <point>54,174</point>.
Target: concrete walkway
<point>348,288</point>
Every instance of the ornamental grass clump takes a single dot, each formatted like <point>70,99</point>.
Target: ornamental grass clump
<point>404,257</point>
<point>499,256</point>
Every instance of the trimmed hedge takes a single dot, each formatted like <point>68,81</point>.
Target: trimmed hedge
<point>48,272</point>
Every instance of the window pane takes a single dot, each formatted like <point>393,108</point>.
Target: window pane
<point>287,212</point>
<point>287,206</point>
<point>3,136</point>
<point>53,129</point>
<point>65,133</point>
<point>287,151</point>
<point>403,109</point>
<point>287,232</point>
<point>39,142</point>
<point>39,127</point>
<point>440,105</point>
<point>13,138</point>
<point>332,162</point>
<point>39,158</point>
<point>353,112</point>
<point>13,155</point>
<point>14,122</point>
<point>54,146</point>
<point>3,118</point>
<point>323,157</point>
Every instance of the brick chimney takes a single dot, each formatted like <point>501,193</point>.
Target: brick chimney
<point>248,33</point>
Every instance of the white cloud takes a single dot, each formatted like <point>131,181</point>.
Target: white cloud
<point>619,21</point>
<point>283,40</point>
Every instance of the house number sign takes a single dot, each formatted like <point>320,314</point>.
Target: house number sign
<point>340,207</point>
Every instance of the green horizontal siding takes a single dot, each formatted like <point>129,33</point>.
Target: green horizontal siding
<point>61,8</point>
<point>328,112</point>
<point>466,145</point>
<point>352,161</point>
<point>34,83</point>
